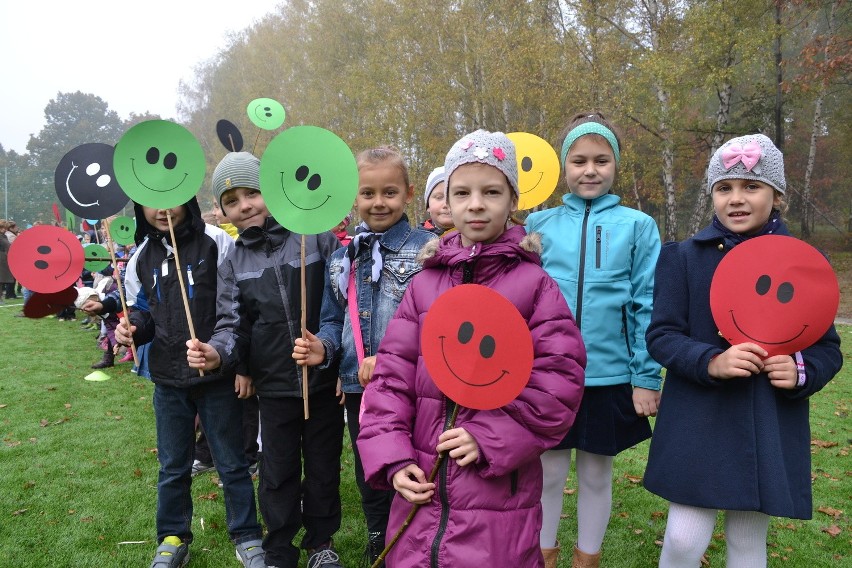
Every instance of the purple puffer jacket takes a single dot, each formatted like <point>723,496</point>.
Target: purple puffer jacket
<point>487,513</point>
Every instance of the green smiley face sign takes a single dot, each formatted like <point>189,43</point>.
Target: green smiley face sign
<point>159,164</point>
<point>95,255</point>
<point>309,179</point>
<point>122,230</point>
<point>267,114</point>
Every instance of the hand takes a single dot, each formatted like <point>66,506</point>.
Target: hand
<point>365,371</point>
<point>742,360</point>
<point>410,483</point>
<point>93,307</point>
<point>124,332</point>
<point>461,446</point>
<point>646,401</point>
<point>243,386</point>
<point>309,351</point>
<point>782,371</point>
<point>338,392</point>
<point>201,355</point>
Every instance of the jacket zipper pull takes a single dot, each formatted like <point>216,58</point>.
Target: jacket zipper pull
<point>189,279</point>
<point>157,283</point>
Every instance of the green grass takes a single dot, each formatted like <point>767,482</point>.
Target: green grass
<point>78,471</point>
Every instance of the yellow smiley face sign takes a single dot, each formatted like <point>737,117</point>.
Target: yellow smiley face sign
<point>538,168</point>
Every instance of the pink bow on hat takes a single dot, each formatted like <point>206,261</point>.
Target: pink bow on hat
<point>749,155</point>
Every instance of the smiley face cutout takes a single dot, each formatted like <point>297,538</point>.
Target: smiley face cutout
<point>46,259</point>
<point>96,257</point>
<point>265,113</point>
<point>477,347</point>
<point>42,305</point>
<point>775,291</point>
<point>538,169</point>
<point>122,230</point>
<point>309,179</point>
<point>159,164</point>
<point>86,184</point>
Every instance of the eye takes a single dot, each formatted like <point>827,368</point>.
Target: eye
<point>526,164</point>
<point>314,182</point>
<point>302,173</point>
<point>170,161</point>
<point>487,346</point>
<point>785,292</point>
<point>763,284</point>
<point>153,155</point>
<point>465,332</point>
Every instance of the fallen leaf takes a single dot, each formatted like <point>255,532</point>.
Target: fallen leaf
<point>19,512</point>
<point>633,478</point>
<point>563,516</point>
<point>209,496</point>
<point>3,405</point>
<point>87,519</point>
<point>823,444</point>
<point>569,491</point>
<point>638,531</point>
<point>43,422</point>
<point>657,515</point>
<point>137,472</point>
<point>624,515</point>
<point>833,530</point>
<point>29,484</point>
<point>830,511</point>
<point>67,406</point>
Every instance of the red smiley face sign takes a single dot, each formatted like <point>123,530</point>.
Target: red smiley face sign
<point>775,291</point>
<point>40,305</point>
<point>477,347</point>
<point>46,259</point>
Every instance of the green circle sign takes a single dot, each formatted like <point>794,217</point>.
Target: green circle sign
<point>159,164</point>
<point>309,179</point>
<point>267,114</point>
<point>94,255</point>
<point>122,230</point>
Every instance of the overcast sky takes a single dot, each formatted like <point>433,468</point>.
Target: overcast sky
<point>131,54</point>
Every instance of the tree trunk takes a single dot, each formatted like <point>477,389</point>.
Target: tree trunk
<point>779,79</point>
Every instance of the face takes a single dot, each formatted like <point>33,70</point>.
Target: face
<point>481,202</point>
<point>382,195</point>
<point>590,167</point>
<point>85,182</point>
<point>158,218</point>
<point>743,205</point>
<point>439,211</point>
<point>244,207</point>
<point>538,168</point>
<point>122,230</point>
<point>220,216</point>
<point>46,259</point>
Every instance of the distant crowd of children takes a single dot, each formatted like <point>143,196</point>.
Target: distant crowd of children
<point>606,307</point>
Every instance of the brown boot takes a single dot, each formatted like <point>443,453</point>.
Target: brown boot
<point>107,361</point>
<point>585,560</point>
<point>551,556</point>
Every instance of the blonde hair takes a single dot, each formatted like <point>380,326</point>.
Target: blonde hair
<point>382,154</point>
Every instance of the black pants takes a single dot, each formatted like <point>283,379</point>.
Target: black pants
<point>287,501</point>
<point>375,503</point>
<point>251,422</point>
<point>9,289</point>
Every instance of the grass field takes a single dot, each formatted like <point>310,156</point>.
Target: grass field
<point>78,471</point>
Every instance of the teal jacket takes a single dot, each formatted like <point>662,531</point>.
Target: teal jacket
<point>603,257</point>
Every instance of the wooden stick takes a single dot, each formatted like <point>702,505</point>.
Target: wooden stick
<point>304,330</point>
<point>117,275</point>
<point>414,509</point>
<point>180,281</point>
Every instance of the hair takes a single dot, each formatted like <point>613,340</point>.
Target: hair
<point>584,117</point>
<point>384,154</point>
<point>3,225</point>
<point>209,217</point>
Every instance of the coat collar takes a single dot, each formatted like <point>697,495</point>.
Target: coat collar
<point>577,205</point>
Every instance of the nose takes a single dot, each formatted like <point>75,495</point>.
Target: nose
<point>475,203</point>
<point>590,169</point>
<point>737,196</point>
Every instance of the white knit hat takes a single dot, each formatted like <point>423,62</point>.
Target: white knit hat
<point>483,147</point>
<point>437,176</point>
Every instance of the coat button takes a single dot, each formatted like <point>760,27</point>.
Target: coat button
<point>721,246</point>
<point>402,270</point>
<point>365,314</point>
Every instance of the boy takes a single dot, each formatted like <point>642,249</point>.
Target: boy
<point>259,319</point>
<point>180,392</point>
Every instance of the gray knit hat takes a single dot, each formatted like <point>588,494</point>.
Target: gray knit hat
<point>437,176</point>
<point>237,169</point>
<point>492,148</point>
<point>748,157</point>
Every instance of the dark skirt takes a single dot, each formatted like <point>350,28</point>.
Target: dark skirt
<point>606,423</point>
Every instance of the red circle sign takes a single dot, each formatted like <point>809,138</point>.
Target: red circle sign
<point>477,347</point>
<point>46,259</point>
<point>40,305</point>
<point>775,291</point>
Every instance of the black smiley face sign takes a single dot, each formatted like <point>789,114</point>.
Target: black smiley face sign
<point>477,347</point>
<point>775,291</point>
<point>85,182</point>
<point>46,259</point>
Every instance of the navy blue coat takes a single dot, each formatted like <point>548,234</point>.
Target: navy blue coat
<point>738,444</point>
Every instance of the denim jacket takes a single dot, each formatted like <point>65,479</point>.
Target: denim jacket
<point>377,301</point>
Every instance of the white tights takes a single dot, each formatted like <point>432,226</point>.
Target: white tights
<point>689,529</point>
<point>594,497</point>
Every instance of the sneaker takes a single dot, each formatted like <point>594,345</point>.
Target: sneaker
<point>199,467</point>
<point>324,556</point>
<point>251,554</point>
<point>374,549</point>
<point>172,553</point>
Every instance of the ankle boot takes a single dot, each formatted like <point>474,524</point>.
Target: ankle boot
<point>551,556</point>
<point>585,560</point>
<point>107,361</point>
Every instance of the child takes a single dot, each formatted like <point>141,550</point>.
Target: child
<point>381,261</point>
<point>153,291</point>
<point>602,254</point>
<point>440,221</point>
<point>483,509</point>
<point>733,430</point>
<point>259,314</point>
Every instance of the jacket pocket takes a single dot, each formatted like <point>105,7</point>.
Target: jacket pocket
<point>625,330</point>
<point>397,274</point>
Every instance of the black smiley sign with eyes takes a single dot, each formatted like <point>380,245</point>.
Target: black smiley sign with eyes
<point>85,182</point>
<point>775,291</point>
<point>46,259</point>
<point>477,347</point>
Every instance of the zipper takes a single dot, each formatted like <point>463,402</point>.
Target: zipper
<point>598,246</point>
<point>190,281</point>
<point>624,330</point>
<point>445,504</point>
<point>578,313</point>
<point>157,284</point>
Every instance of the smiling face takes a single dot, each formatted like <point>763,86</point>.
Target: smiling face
<point>264,113</point>
<point>122,230</point>
<point>590,167</point>
<point>538,168</point>
<point>481,202</point>
<point>743,205</point>
<point>158,218</point>
<point>85,182</point>
<point>244,207</point>
<point>382,195</point>
<point>46,258</point>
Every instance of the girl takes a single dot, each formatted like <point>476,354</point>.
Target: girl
<point>733,429</point>
<point>602,255</point>
<point>440,221</point>
<point>365,283</point>
<point>491,480</point>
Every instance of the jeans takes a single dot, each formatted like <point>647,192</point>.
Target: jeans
<point>220,412</point>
